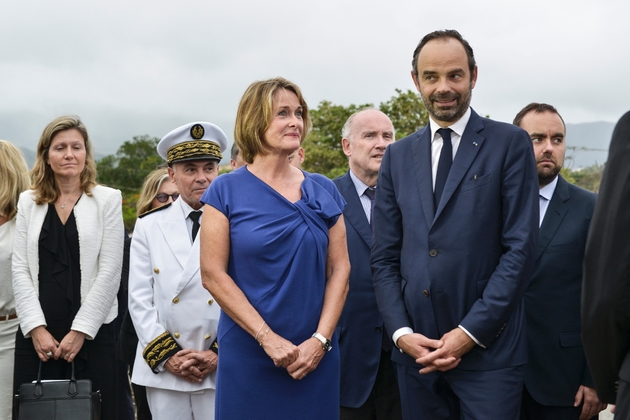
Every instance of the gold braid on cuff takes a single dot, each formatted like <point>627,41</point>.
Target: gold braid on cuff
<point>160,349</point>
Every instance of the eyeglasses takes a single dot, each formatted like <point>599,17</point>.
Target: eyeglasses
<point>163,198</point>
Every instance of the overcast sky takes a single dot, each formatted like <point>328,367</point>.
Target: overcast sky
<point>145,67</point>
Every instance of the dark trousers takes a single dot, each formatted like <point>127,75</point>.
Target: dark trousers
<point>96,361</point>
<point>460,395</point>
<point>622,408</point>
<point>532,410</point>
<point>384,400</point>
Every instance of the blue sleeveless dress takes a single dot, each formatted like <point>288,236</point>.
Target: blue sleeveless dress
<point>278,252</point>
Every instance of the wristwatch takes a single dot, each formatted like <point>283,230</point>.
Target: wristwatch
<point>326,344</point>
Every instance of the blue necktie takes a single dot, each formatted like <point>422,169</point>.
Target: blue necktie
<point>371,194</point>
<point>444,164</point>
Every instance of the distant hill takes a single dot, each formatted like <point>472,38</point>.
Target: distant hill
<point>586,136</point>
<point>583,137</point>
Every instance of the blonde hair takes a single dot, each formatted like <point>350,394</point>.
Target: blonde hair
<point>150,187</point>
<point>254,115</point>
<point>44,183</point>
<point>13,178</point>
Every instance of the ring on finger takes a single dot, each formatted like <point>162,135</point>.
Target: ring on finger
<point>49,354</point>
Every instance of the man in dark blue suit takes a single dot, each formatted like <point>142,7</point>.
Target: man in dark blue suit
<point>368,383</point>
<point>558,384</point>
<point>455,230</point>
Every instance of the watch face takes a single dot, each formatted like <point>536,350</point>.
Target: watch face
<point>327,346</point>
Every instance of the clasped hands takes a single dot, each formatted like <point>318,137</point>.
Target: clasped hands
<point>192,365</point>
<point>47,347</point>
<point>300,360</point>
<point>443,354</point>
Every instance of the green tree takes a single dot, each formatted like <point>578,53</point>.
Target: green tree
<point>322,147</point>
<point>133,161</point>
<point>126,171</point>
<point>588,178</point>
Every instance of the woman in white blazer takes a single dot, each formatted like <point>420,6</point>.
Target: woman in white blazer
<point>13,180</point>
<point>67,259</point>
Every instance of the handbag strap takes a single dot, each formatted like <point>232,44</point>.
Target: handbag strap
<point>38,392</point>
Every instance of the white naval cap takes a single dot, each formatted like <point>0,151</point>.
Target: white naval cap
<point>193,141</point>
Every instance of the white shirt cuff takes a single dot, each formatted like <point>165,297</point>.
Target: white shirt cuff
<point>399,333</point>
<point>471,336</point>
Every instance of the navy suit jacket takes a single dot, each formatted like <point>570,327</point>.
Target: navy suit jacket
<point>360,328</point>
<point>469,261</point>
<point>557,365</point>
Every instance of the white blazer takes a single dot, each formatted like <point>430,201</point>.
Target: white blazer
<point>166,294</point>
<point>101,240</point>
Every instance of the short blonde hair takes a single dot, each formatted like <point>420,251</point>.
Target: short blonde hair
<point>13,178</point>
<point>44,183</point>
<point>255,112</point>
<point>151,186</point>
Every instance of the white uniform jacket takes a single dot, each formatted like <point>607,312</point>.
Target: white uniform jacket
<point>167,302</point>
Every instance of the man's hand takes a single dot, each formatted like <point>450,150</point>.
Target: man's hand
<point>591,405</point>
<point>417,345</point>
<point>175,362</point>
<point>456,343</point>
<point>200,363</point>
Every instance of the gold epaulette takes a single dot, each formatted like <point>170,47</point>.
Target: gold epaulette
<point>155,210</point>
<point>160,349</point>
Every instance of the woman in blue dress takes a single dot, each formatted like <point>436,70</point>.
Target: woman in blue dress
<point>274,256</point>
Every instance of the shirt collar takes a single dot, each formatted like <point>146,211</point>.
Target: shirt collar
<point>548,190</point>
<point>458,126</point>
<point>186,209</point>
<point>359,185</point>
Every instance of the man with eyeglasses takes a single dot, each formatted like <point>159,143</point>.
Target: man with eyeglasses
<point>174,316</point>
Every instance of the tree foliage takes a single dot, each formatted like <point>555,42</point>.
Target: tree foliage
<point>322,147</point>
<point>133,161</point>
<point>127,169</point>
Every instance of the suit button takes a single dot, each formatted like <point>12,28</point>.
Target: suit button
<point>207,337</point>
<point>156,270</point>
<point>175,299</point>
<point>176,335</point>
<point>378,329</point>
<point>210,301</point>
<point>433,252</point>
<point>426,293</point>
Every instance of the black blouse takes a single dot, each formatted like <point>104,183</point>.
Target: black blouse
<point>59,272</point>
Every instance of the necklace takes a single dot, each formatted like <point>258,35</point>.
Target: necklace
<point>63,206</point>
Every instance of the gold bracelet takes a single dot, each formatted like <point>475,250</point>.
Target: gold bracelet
<point>262,340</point>
<point>261,325</point>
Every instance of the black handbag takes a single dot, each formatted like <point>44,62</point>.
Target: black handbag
<point>58,400</point>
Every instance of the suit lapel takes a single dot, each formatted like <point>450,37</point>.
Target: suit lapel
<point>469,146</point>
<point>355,215</point>
<point>421,150</point>
<point>175,232</point>
<point>191,267</point>
<point>556,211</point>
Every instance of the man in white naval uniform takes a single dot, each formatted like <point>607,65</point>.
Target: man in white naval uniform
<point>174,316</point>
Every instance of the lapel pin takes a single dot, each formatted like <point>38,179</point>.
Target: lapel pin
<point>475,144</point>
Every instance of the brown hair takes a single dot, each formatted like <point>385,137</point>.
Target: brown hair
<point>13,178</point>
<point>44,183</point>
<point>537,108</point>
<point>254,115</point>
